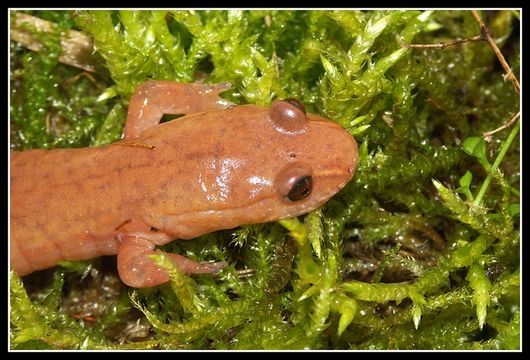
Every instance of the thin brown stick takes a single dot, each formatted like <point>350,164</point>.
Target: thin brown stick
<point>507,124</point>
<point>122,224</point>
<point>136,145</point>
<point>443,45</point>
<point>84,74</point>
<point>487,33</point>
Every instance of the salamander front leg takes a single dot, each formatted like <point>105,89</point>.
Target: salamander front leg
<point>136,269</point>
<point>155,98</point>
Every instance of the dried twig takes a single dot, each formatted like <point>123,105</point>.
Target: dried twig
<point>485,34</point>
<point>136,145</point>
<point>84,74</point>
<point>485,31</point>
<point>487,134</point>
<point>443,45</point>
<point>509,73</point>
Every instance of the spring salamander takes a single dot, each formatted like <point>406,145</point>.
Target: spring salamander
<point>218,167</point>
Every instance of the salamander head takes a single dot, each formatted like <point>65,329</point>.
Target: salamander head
<point>259,165</point>
<point>317,156</point>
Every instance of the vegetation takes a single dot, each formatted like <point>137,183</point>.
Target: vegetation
<point>421,250</point>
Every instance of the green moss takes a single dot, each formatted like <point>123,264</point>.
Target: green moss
<point>419,251</point>
<point>53,105</point>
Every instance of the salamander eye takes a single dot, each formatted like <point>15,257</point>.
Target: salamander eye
<point>295,181</point>
<point>288,116</point>
<point>296,103</point>
<point>301,189</point>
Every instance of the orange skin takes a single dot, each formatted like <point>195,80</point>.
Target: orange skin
<point>219,167</point>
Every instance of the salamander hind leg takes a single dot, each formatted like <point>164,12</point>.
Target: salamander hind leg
<point>155,98</point>
<point>136,269</point>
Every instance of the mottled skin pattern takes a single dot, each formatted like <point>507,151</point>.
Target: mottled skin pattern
<point>211,170</point>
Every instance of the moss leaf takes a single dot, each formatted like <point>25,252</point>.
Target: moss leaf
<point>481,290</point>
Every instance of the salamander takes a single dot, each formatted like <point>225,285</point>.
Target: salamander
<point>217,167</point>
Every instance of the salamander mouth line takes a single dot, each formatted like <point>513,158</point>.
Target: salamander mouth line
<point>236,212</point>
